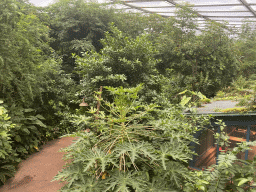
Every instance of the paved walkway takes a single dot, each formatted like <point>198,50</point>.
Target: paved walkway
<point>35,173</point>
<point>210,107</point>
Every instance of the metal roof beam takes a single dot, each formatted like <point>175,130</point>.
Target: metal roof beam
<point>232,20</point>
<point>132,4</point>
<point>233,16</point>
<point>174,3</point>
<point>197,11</point>
<point>134,7</point>
<point>165,7</point>
<point>248,7</point>
<point>218,16</point>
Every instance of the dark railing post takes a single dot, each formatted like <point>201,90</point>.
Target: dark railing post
<point>218,151</point>
<point>192,162</point>
<point>194,146</point>
<point>247,140</point>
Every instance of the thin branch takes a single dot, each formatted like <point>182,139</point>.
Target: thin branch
<point>128,137</point>
<point>124,161</point>
<point>136,168</point>
<point>112,144</point>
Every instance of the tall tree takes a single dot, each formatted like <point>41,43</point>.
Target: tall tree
<point>123,61</point>
<point>246,45</point>
<point>204,61</point>
<point>77,26</point>
<point>22,51</point>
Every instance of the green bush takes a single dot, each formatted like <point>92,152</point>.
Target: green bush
<point>220,94</point>
<point>8,156</point>
<point>28,132</point>
<point>123,61</point>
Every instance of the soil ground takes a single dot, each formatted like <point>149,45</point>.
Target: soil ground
<point>36,172</point>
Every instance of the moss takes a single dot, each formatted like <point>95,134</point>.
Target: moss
<point>243,102</point>
<point>217,109</point>
<point>236,109</point>
<point>206,100</point>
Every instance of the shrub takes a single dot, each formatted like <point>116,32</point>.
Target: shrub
<point>131,147</point>
<point>8,156</point>
<point>28,132</point>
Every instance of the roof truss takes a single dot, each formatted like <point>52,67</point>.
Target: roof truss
<point>233,11</point>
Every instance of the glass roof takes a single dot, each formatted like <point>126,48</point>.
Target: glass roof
<point>232,11</point>
<point>159,10</point>
<point>151,4</point>
<point>207,2</point>
<point>221,8</point>
<point>251,1</point>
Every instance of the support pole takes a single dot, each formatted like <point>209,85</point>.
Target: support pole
<point>218,151</point>
<point>98,107</point>
<point>98,104</point>
<point>247,140</point>
<point>192,162</point>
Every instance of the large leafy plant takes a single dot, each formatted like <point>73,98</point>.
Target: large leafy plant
<point>28,132</point>
<point>131,147</point>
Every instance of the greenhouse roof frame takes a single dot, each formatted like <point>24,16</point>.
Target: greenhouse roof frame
<point>232,11</point>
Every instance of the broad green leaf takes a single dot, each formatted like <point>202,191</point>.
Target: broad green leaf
<point>3,134</point>
<point>28,110</point>
<point>40,117</point>
<point>38,122</point>
<point>183,92</point>
<point>243,181</point>
<point>185,100</point>
<point>26,130</point>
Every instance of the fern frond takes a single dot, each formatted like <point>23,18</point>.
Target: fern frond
<point>136,150</point>
<point>125,182</point>
<point>159,185</point>
<point>91,157</point>
<point>175,174</point>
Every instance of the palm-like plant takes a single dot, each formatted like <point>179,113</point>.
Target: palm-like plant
<point>132,147</point>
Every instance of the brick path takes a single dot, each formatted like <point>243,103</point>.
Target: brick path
<point>35,173</point>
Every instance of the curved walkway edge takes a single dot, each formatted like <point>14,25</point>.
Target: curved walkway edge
<point>36,172</point>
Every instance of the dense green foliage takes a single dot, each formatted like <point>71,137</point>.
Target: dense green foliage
<point>26,134</point>
<point>8,156</point>
<point>52,57</point>
<point>76,27</point>
<point>123,61</point>
<point>247,47</point>
<point>22,51</point>
<point>204,62</point>
<point>32,85</point>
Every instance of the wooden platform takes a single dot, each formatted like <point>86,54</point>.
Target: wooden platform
<point>209,158</point>
<point>237,139</point>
